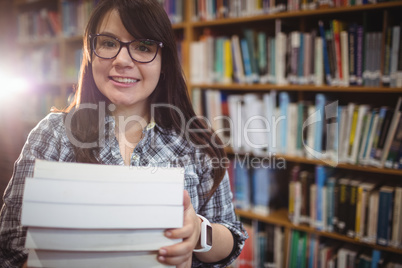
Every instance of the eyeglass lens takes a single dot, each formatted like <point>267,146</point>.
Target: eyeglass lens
<point>140,50</point>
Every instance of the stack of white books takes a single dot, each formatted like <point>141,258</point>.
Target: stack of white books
<point>90,215</point>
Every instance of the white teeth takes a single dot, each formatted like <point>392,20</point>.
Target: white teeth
<point>124,80</point>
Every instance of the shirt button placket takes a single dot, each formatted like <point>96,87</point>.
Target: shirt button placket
<point>135,158</point>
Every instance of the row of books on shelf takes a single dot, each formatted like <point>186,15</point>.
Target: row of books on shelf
<point>209,9</point>
<point>80,215</point>
<point>265,248</point>
<point>174,9</point>
<point>360,208</point>
<point>258,186</point>
<point>275,123</point>
<point>339,54</point>
<point>38,25</point>
<point>41,65</point>
<point>308,250</point>
<point>75,15</point>
<point>40,104</point>
<point>44,23</point>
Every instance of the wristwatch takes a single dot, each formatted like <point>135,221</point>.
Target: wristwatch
<point>206,235</point>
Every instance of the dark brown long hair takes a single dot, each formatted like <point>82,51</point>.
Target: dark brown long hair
<point>142,19</point>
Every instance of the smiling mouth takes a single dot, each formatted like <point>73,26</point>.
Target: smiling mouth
<point>123,80</point>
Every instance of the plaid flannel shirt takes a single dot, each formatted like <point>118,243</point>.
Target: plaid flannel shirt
<point>158,147</point>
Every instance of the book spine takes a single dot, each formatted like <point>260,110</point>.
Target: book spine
<point>359,55</point>
<point>327,72</point>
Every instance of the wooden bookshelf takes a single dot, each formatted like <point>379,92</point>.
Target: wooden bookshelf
<point>266,87</point>
<point>192,30</point>
<point>303,160</point>
<point>280,217</point>
<point>304,21</point>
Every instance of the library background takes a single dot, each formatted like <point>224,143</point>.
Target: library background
<point>306,95</point>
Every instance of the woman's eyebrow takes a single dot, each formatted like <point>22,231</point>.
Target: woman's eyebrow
<point>109,33</point>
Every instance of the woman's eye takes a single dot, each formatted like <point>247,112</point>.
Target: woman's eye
<point>143,48</point>
<point>109,44</point>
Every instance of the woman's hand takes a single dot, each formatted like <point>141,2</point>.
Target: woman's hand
<point>180,254</point>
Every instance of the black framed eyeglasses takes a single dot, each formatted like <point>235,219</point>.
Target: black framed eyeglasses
<point>140,50</point>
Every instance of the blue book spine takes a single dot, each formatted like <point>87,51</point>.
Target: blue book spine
<point>325,52</point>
<point>272,63</point>
<point>384,216</point>
<point>319,127</point>
<point>312,251</point>
<point>283,125</point>
<point>260,187</point>
<point>338,130</point>
<point>320,181</point>
<point>246,60</point>
<point>330,203</point>
<point>242,187</point>
<point>375,258</point>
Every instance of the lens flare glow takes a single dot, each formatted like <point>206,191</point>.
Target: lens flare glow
<point>12,86</point>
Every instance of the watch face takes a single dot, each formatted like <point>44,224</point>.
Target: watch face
<point>209,235</point>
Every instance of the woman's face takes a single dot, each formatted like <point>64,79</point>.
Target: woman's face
<point>125,82</point>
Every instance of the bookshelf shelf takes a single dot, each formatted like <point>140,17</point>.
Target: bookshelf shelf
<point>39,42</point>
<point>267,87</point>
<point>280,217</point>
<point>294,14</point>
<point>303,160</point>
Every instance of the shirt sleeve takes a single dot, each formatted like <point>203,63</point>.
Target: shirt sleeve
<point>220,209</point>
<point>41,143</point>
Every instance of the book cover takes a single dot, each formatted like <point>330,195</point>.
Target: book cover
<point>381,115</point>
<point>362,214</point>
<point>242,187</point>
<point>246,61</point>
<point>66,259</point>
<point>359,55</point>
<point>393,125</point>
<point>294,56</point>
<point>263,182</point>
<point>396,36</point>
<point>396,238</point>
<point>336,32</point>
<point>320,181</point>
<point>42,214</point>
<point>249,35</point>
<point>367,126</point>
<point>371,236</point>
<point>395,148</point>
<point>235,105</point>
<point>343,201</point>
<point>320,102</point>
<point>362,110</point>
<point>327,71</point>
<point>352,33</point>
<point>382,136</point>
<point>239,76</point>
<point>97,239</point>
<point>352,207</point>
<point>318,62</point>
<point>386,54</point>
<point>284,100</point>
<point>385,209</point>
<point>331,206</point>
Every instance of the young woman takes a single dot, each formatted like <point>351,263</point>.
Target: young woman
<point>132,108</point>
